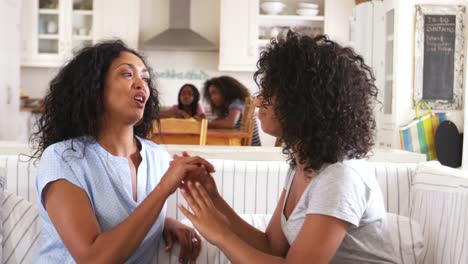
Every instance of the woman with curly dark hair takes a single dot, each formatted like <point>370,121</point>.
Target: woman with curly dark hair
<point>226,97</point>
<point>102,185</point>
<point>318,97</point>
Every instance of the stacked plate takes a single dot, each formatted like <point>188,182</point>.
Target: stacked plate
<point>307,9</point>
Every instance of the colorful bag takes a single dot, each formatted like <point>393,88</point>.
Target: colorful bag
<point>419,134</point>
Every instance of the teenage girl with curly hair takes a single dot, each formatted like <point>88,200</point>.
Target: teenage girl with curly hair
<point>318,97</point>
<point>226,97</point>
<point>101,185</point>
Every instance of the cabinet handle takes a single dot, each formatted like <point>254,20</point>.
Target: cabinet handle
<point>251,49</point>
<point>8,94</point>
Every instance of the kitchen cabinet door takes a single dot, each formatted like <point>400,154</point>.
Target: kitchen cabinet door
<point>238,49</point>
<point>117,19</point>
<point>54,30</point>
<point>246,28</point>
<point>9,68</point>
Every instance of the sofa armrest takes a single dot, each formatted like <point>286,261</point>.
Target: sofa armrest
<point>440,204</point>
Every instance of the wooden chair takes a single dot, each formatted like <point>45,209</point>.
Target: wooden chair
<point>278,142</point>
<point>236,137</point>
<point>248,121</point>
<point>180,131</point>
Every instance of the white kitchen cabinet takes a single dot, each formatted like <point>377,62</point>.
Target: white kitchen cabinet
<point>53,30</point>
<point>245,29</point>
<point>238,35</point>
<point>9,69</point>
<point>372,36</point>
<point>117,19</point>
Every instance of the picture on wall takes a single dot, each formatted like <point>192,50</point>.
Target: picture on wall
<point>439,56</point>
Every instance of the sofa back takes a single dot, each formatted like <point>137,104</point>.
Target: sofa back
<point>248,186</point>
<point>20,175</point>
<point>395,181</point>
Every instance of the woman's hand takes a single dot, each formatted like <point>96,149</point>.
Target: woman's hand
<point>211,223</point>
<point>189,240</point>
<point>204,178</point>
<point>182,166</point>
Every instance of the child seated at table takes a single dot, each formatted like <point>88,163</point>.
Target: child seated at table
<point>188,104</point>
<point>226,97</point>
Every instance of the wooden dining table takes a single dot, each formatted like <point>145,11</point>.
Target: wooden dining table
<point>227,137</point>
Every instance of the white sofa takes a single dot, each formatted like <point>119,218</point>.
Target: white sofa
<point>432,195</point>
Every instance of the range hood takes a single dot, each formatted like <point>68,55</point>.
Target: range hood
<point>179,36</point>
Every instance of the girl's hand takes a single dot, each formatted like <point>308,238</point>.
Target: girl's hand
<point>189,240</point>
<point>180,167</point>
<point>212,224</point>
<point>204,178</point>
<point>181,114</point>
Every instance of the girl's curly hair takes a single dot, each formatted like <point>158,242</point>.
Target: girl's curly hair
<point>196,98</point>
<point>323,97</point>
<point>230,89</point>
<point>74,101</point>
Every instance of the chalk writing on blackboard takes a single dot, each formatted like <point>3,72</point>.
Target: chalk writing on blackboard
<point>439,52</point>
<point>439,56</point>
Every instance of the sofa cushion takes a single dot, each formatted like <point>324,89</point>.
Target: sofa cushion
<point>407,238</point>
<point>439,203</point>
<point>21,229</point>
<point>209,253</point>
<point>406,235</point>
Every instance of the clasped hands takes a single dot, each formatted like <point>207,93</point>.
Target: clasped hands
<point>192,176</point>
<point>199,190</point>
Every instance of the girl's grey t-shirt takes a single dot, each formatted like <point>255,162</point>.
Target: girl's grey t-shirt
<point>348,191</point>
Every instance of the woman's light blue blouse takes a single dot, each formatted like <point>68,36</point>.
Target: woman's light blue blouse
<point>106,179</point>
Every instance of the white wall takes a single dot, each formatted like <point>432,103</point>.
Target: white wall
<point>339,11</point>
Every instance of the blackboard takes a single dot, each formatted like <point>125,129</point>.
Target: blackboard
<point>439,55</point>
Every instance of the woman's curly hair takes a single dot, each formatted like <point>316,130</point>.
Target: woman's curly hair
<point>230,89</point>
<point>74,101</point>
<point>323,95</point>
<point>196,98</point>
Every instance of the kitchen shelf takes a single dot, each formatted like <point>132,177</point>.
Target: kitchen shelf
<point>263,42</point>
<point>44,11</point>
<point>82,37</point>
<point>268,18</point>
<point>83,12</point>
<point>48,36</point>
